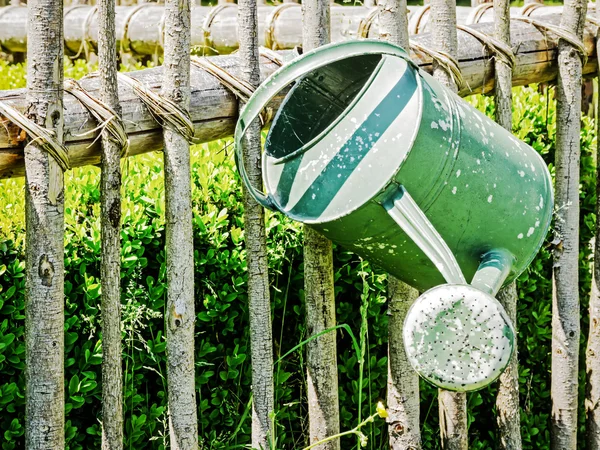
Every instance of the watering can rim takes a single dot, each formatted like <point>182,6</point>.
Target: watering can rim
<point>290,72</point>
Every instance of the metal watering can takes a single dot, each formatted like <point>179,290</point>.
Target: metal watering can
<point>376,155</point>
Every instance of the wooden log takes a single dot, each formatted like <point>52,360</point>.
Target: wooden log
<point>140,28</point>
<point>214,109</point>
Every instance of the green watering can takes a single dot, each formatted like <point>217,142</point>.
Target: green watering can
<point>376,155</point>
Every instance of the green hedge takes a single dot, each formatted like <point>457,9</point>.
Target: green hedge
<point>222,339</point>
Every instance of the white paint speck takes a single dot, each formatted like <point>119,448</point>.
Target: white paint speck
<point>530,231</point>
<point>520,236</point>
<point>490,198</point>
<point>454,190</point>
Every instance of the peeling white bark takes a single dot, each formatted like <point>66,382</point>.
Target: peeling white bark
<point>452,405</point>
<point>321,358</point>
<point>403,382</point>
<point>44,310</point>
<point>180,315</point>
<point>110,200</point>
<point>507,400</point>
<point>565,298</point>
<point>403,402</point>
<point>261,335</point>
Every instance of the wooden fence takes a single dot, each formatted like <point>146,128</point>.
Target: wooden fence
<point>53,125</point>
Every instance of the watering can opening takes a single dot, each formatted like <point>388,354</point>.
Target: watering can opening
<point>340,135</point>
<point>316,101</point>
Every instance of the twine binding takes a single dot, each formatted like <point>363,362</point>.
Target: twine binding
<point>107,118</point>
<point>125,42</point>
<point>445,60</point>
<point>528,9</point>
<point>500,50</point>
<point>477,13</point>
<point>164,111</point>
<point>365,23</point>
<point>270,24</point>
<point>210,17</point>
<point>86,42</point>
<point>558,31</point>
<point>414,26</point>
<point>240,88</point>
<point>44,137</point>
<point>3,12</point>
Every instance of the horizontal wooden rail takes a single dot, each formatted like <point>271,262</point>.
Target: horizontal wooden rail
<point>213,108</point>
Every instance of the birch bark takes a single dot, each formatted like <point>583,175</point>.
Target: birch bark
<point>321,357</point>
<point>592,355</point>
<point>403,382</point>
<point>452,405</point>
<point>565,298</point>
<point>110,200</point>
<point>180,313</point>
<point>261,335</point>
<point>507,400</point>
<point>44,368</point>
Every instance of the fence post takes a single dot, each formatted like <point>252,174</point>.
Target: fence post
<point>565,298</point>
<point>261,335</point>
<point>592,360</point>
<point>110,270</point>
<point>507,400</point>
<point>44,193</point>
<point>452,405</point>
<point>403,382</point>
<point>179,314</point>
<point>321,353</point>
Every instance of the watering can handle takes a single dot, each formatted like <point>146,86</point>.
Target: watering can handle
<point>289,73</point>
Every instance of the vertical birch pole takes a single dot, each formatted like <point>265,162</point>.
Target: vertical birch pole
<point>452,405</point>
<point>321,353</point>
<point>44,203</point>
<point>261,335</point>
<point>403,382</point>
<point>507,400</point>
<point>110,270</point>
<point>565,298</point>
<point>592,356</point>
<point>180,315</point>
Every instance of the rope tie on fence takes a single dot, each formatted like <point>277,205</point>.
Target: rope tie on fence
<point>477,13</point>
<point>107,118</point>
<point>240,88</point>
<point>3,12</point>
<point>593,20</point>
<point>500,50</point>
<point>125,42</point>
<point>44,137</point>
<point>558,31</point>
<point>272,56</point>
<point>444,59</point>
<point>85,35</point>
<point>528,9</point>
<point>270,24</point>
<point>162,109</point>
<point>415,21</point>
<point>210,17</point>
<point>365,23</point>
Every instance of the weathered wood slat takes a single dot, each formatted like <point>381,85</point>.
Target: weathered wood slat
<point>214,109</point>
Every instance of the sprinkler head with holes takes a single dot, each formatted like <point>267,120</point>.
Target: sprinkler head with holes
<point>458,337</point>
